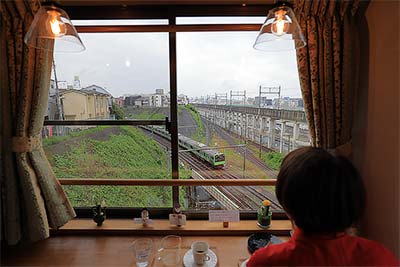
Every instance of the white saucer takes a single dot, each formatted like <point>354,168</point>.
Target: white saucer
<point>244,263</point>
<point>188,260</point>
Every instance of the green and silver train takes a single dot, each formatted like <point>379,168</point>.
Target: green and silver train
<point>212,156</point>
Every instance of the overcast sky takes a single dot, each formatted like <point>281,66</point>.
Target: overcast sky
<point>208,63</point>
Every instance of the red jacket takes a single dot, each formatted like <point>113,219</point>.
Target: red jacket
<point>323,250</point>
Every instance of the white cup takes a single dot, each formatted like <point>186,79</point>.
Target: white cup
<point>200,252</point>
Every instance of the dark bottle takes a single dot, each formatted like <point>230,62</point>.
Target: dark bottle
<point>264,214</point>
<point>99,214</point>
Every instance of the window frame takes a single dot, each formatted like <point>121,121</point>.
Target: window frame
<point>170,12</point>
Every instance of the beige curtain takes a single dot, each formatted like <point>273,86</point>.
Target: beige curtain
<point>33,200</point>
<point>329,68</point>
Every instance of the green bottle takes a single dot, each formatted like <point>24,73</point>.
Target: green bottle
<point>264,214</point>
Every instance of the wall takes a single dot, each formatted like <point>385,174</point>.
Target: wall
<point>376,129</point>
<point>74,104</point>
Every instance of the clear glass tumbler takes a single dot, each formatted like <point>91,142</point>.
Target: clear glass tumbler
<point>143,250</point>
<point>170,250</point>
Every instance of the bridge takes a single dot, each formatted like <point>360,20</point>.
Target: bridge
<point>280,130</point>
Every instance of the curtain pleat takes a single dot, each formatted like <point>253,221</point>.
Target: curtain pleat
<point>33,198</point>
<point>328,68</point>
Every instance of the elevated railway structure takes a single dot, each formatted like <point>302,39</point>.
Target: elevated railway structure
<point>280,130</point>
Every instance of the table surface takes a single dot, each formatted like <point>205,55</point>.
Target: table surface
<point>114,250</point>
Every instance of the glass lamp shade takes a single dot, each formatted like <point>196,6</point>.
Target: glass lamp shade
<point>280,31</point>
<point>53,23</point>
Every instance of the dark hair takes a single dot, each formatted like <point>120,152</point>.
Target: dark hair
<point>322,192</point>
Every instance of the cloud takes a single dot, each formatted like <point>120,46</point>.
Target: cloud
<point>207,63</point>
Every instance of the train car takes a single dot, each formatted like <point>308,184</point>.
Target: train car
<point>212,156</point>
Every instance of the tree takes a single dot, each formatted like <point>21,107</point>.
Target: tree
<point>117,111</point>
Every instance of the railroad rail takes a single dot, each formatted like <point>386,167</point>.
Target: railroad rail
<point>244,197</point>
<point>248,152</point>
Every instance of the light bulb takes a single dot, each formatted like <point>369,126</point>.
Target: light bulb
<point>280,26</point>
<point>57,27</point>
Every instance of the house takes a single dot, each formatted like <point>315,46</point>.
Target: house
<point>119,101</point>
<point>84,105</point>
<point>95,89</point>
<point>183,99</point>
<point>143,101</point>
<point>130,100</point>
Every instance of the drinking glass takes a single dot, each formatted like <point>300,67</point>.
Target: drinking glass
<point>143,248</point>
<point>170,250</point>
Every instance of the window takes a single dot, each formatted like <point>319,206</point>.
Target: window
<point>222,73</point>
<point>132,65</point>
<point>194,77</point>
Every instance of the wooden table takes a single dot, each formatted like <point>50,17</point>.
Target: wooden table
<point>112,250</point>
<point>81,243</point>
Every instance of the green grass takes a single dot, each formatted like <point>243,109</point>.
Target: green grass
<point>57,139</point>
<point>273,159</point>
<point>146,115</point>
<point>234,160</point>
<point>128,155</point>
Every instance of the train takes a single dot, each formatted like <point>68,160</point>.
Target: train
<point>211,156</point>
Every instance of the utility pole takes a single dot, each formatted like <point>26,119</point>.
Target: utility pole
<point>221,96</point>
<point>268,90</point>
<point>59,107</point>
<point>58,98</point>
<point>240,94</point>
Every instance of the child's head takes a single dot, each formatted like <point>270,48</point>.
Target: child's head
<point>321,192</point>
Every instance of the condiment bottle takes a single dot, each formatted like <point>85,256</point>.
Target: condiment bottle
<point>264,214</point>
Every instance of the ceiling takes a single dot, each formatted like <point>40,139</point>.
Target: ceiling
<point>162,2</point>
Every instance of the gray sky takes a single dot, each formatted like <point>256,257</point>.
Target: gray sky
<point>208,63</point>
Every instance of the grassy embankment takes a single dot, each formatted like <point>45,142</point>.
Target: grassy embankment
<point>57,139</point>
<point>129,154</point>
<point>200,134</point>
<point>146,115</point>
<point>271,159</point>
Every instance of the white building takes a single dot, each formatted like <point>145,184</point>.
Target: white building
<point>62,84</point>
<point>183,99</point>
<point>77,83</point>
<point>157,100</point>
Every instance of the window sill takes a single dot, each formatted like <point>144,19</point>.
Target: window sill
<point>162,227</point>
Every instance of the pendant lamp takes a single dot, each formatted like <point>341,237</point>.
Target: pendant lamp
<point>280,31</point>
<point>53,23</point>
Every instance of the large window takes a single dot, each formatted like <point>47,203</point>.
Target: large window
<point>158,90</point>
<point>115,78</point>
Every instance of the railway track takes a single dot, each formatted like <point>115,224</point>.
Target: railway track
<point>245,197</point>
<point>250,155</point>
